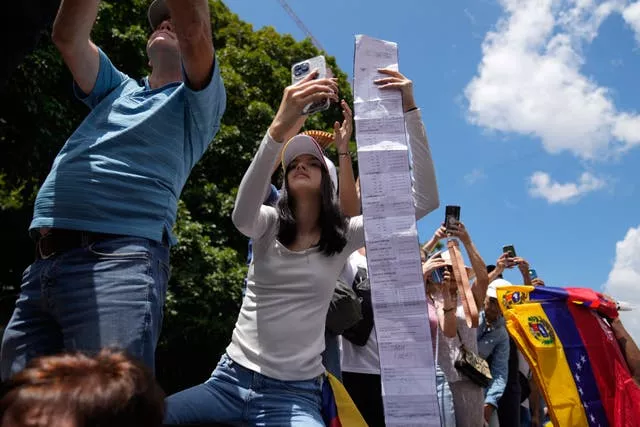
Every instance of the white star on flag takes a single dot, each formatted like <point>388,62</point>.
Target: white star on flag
<point>583,359</point>
<point>578,366</point>
<point>580,391</point>
<point>577,378</point>
<point>592,418</point>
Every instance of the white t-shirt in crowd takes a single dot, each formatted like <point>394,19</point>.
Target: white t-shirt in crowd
<point>354,358</point>
<point>280,328</point>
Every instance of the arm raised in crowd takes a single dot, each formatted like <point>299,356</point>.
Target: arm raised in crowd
<point>629,349</point>
<point>249,217</point>
<point>501,266</point>
<point>71,35</point>
<point>425,187</point>
<point>440,234</point>
<point>192,23</point>
<point>523,266</point>
<point>349,200</point>
<point>479,288</point>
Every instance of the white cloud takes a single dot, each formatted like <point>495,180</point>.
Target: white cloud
<point>530,82</point>
<point>631,15</point>
<point>624,280</point>
<point>474,176</point>
<point>542,186</point>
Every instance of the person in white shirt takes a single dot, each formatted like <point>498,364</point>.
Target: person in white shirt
<point>272,371</point>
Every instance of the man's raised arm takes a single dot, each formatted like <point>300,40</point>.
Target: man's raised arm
<point>71,35</point>
<point>192,23</point>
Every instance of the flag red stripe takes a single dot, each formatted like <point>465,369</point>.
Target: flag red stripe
<point>609,368</point>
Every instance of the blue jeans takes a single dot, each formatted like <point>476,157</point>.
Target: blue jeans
<point>239,396</point>
<point>107,294</point>
<point>445,400</point>
<point>331,355</point>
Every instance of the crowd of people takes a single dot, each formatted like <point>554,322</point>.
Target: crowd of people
<point>102,227</point>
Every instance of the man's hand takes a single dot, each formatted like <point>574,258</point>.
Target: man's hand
<point>342,132</point>
<point>522,264</point>
<point>192,23</point>
<point>502,263</point>
<point>295,98</point>
<point>396,80</point>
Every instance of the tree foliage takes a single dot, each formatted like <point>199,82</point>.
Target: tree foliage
<point>38,112</point>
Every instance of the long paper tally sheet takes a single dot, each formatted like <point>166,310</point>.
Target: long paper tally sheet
<point>393,257</point>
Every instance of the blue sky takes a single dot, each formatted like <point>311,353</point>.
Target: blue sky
<point>531,110</point>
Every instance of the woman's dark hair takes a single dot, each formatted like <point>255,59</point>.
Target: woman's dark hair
<point>333,224</point>
<point>76,390</point>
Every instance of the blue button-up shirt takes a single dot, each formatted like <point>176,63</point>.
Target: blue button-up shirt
<point>493,346</point>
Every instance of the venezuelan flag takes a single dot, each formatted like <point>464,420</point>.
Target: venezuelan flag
<point>338,410</point>
<point>573,354</point>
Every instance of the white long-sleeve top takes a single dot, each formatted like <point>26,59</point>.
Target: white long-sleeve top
<point>280,329</point>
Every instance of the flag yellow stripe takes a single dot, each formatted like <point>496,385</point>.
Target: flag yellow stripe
<point>547,360</point>
<point>347,412</point>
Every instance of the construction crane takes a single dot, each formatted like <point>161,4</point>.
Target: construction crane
<point>298,21</point>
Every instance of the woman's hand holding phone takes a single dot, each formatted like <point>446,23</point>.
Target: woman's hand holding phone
<point>295,98</point>
<point>431,265</point>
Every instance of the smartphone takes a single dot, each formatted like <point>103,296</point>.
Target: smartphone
<point>451,215</point>
<point>438,275</point>
<point>509,249</point>
<point>300,70</point>
<point>533,274</point>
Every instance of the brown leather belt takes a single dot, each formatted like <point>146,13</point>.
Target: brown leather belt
<point>464,289</point>
<point>59,240</point>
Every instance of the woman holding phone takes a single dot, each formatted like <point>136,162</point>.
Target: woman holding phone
<point>466,407</point>
<point>271,373</point>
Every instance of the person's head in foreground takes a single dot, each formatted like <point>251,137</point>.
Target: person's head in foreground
<point>75,390</point>
<point>309,190</point>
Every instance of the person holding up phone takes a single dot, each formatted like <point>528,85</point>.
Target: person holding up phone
<point>509,412</point>
<point>272,370</point>
<point>508,260</point>
<point>468,398</point>
<point>103,218</point>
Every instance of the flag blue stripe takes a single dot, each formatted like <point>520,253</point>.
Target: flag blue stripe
<point>578,360</point>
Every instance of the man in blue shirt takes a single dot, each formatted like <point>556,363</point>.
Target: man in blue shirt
<point>493,346</point>
<point>103,217</point>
